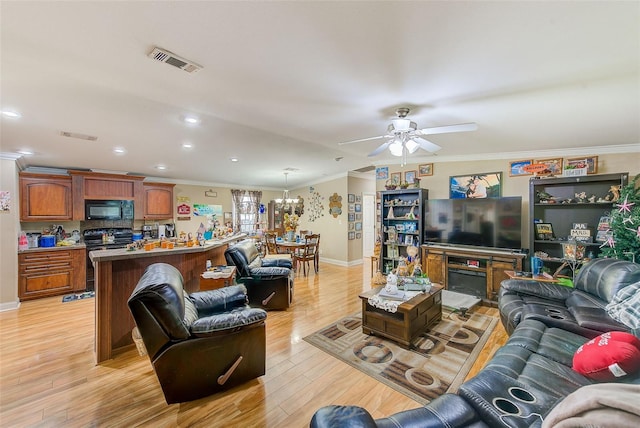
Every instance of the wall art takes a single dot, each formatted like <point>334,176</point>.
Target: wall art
<point>425,169</point>
<point>382,173</point>
<point>335,205</point>
<point>484,185</point>
<point>553,166</point>
<point>516,168</point>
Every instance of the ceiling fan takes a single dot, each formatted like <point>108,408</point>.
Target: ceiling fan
<point>404,136</point>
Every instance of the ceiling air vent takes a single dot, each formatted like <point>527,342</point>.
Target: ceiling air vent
<point>79,136</point>
<point>173,59</point>
<point>365,169</point>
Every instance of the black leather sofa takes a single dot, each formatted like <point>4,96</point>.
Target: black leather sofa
<point>201,343</point>
<point>580,309</point>
<point>523,382</point>
<point>269,281</point>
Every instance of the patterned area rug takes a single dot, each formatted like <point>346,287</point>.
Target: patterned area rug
<point>438,361</point>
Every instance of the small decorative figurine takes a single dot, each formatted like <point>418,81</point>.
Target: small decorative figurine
<point>392,283</point>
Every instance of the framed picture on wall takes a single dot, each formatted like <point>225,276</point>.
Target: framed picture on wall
<point>553,166</point>
<point>483,185</point>
<point>396,177</point>
<point>410,176</point>
<point>425,169</point>
<point>516,168</point>
<point>352,235</point>
<point>351,198</point>
<point>590,162</point>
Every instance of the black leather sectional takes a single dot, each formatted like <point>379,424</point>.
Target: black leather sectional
<point>532,373</point>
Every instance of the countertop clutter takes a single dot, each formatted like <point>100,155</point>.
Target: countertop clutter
<point>124,253</point>
<point>74,246</point>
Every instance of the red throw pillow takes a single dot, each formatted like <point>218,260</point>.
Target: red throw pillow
<point>609,356</point>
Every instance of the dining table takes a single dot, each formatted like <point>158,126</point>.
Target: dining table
<point>290,247</point>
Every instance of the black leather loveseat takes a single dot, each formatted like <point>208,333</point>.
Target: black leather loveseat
<point>520,386</point>
<point>269,282</point>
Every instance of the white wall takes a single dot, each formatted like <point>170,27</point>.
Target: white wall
<point>9,229</point>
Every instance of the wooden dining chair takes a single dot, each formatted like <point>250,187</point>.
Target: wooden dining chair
<point>308,253</point>
<point>270,239</point>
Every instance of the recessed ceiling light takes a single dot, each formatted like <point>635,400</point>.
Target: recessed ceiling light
<point>25,152</point>
<point>161,167</point>
<point>11,114</point>
<point>119,150</point>
<point>233,159</point>
<point>191,120</point>
<point>187,145</point>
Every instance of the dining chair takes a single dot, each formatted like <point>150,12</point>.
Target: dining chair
<point>308,253</point>
<point>270,239</point>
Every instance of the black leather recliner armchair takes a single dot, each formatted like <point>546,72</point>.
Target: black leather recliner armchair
<point>580,309</point>
<point>201,343</point>
<point>269,282</point>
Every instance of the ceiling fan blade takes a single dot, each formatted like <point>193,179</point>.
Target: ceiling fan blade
<point>426,144</point>
<point>462,127</point>
<point>361,140</point>
<point>380,149</point>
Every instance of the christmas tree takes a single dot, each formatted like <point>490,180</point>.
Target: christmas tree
<point>624,240</point>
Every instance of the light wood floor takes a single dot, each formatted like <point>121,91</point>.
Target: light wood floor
<point>48,377</point>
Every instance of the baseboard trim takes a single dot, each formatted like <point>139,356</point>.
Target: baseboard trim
<point>9,306</point>
<point>341,262</point>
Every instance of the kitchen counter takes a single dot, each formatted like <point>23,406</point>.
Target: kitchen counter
<point>123,253</point>
<point>117,273</point>
<point>78,246</point>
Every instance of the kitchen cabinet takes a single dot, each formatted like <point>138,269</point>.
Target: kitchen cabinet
<point>45,273</point>
<point>45,197</point>
<point>97,185</point>
<point>554,201</point>
<point>401,215</point>
<point>158,201</point>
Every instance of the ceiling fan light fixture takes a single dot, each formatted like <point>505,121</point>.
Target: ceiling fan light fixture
<point>396,147</point>
<point>400,124</point>
<point>412,146</point>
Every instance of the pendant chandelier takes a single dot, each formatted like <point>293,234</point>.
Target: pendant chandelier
<point>285,195</point>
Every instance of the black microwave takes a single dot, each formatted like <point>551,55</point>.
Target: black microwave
<point>108,210</point>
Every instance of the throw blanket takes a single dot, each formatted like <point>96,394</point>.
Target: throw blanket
<point>625,306</point>
<point>598,405</point>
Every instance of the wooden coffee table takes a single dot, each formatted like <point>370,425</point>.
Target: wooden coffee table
<point>412,317</point>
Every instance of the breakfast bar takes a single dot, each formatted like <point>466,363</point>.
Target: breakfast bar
<point>116,274</point>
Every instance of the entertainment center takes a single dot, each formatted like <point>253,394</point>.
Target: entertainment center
<point>474,271</point>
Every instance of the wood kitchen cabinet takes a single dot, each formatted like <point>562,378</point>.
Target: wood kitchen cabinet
<point>96,185</point>
<point>45,273</point>
<point>158,201</point>
<point>45,197</point>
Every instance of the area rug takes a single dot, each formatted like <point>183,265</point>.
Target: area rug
<point>437,361</point>
<point>78,296</point>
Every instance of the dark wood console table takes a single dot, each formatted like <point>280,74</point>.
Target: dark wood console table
<point>486,265</point>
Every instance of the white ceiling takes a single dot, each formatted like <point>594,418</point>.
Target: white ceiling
<point>284,82</point>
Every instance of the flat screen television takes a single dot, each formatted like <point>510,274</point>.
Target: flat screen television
<point>487,222</point>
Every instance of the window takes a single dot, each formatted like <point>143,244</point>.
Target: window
<point>246,212</point>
